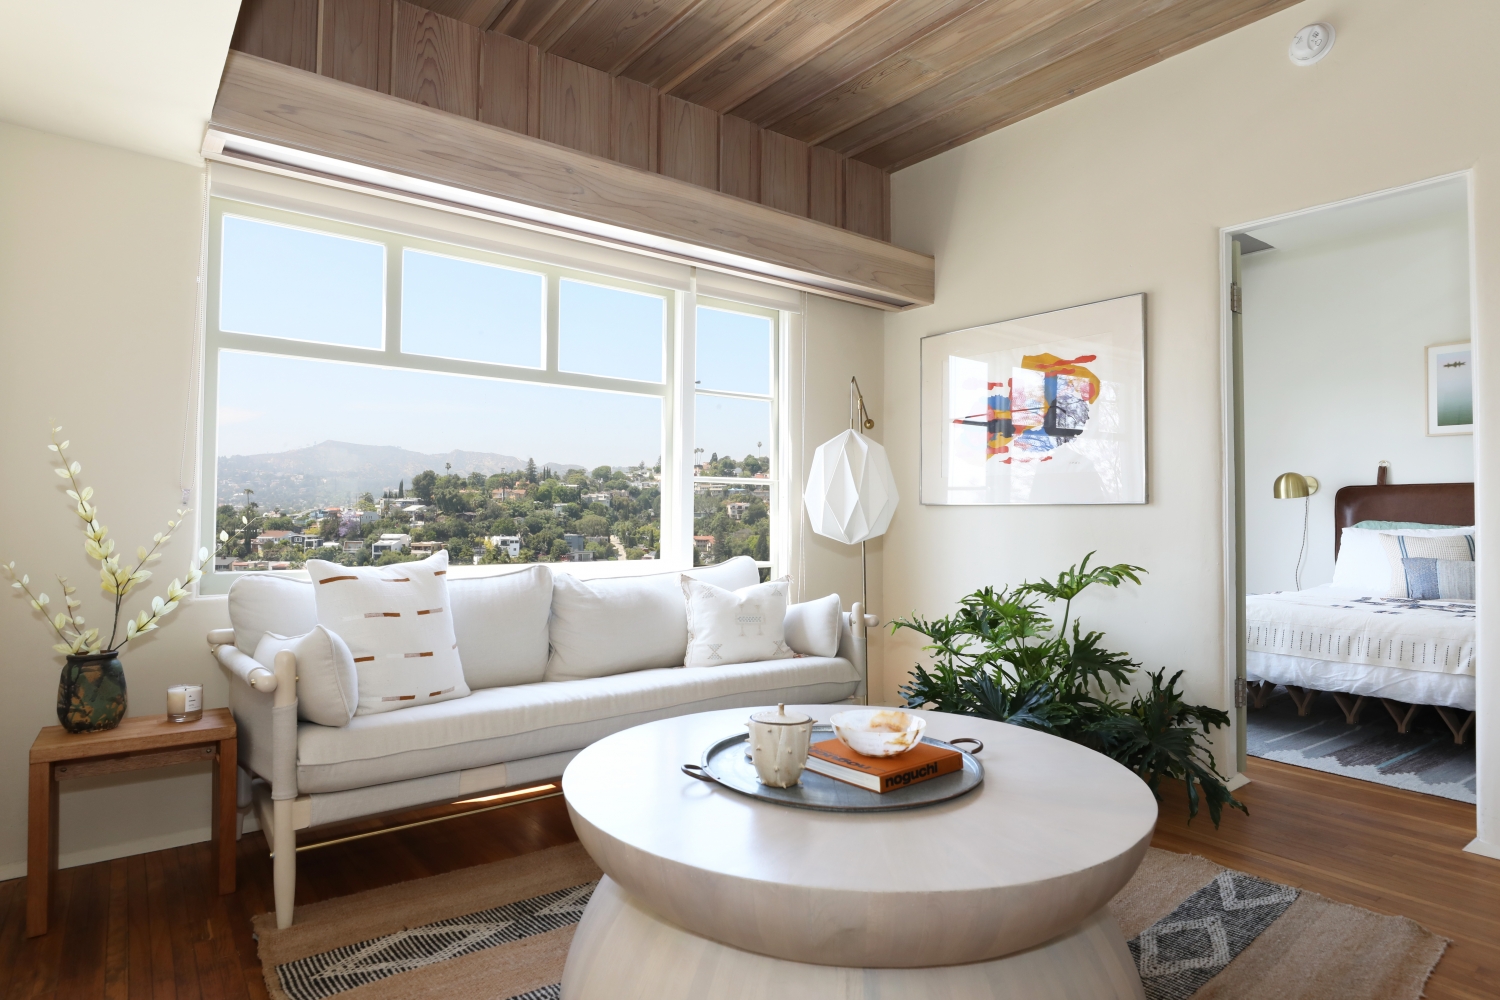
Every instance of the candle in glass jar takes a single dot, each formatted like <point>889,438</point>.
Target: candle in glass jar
<point>185,703</point>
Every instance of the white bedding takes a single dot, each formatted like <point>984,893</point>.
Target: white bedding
<point>1419,652</point>
<point>1330,624</point>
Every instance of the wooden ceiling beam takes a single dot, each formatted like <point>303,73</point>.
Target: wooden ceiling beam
<point>876,38</point>
<point>526,19</point>
<point>297,110</point>
<point>1111,58</point>
<point>478,13</point>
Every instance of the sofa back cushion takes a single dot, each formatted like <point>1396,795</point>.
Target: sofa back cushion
<point>261,603</point>
<point>501,623</point>
<point>812,628</point>
<point>614,626</point>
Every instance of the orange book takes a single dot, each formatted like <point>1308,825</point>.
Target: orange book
<point>834,759</point>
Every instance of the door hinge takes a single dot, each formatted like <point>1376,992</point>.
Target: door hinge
<point>1241,696</point>
<point>1235,299</point>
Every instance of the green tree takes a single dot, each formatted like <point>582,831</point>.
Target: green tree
<point>476,480</point>
<point>530,470</point>
<point>366,501</point>
<point>422,484</point>
<point>593,524</point>
<point>602,473</point>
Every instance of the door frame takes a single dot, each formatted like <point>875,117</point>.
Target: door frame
<point>1232,486</point>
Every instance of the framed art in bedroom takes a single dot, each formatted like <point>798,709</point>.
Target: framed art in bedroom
<point>1450,389</point>
<point>1043,409</point>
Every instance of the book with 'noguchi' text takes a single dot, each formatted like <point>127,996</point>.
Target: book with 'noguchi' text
<point>834,759</point>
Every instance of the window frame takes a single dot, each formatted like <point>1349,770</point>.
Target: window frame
<point>773,397</point>
<point>676,390</point>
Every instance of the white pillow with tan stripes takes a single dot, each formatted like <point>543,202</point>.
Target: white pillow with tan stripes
<point>398,625</point>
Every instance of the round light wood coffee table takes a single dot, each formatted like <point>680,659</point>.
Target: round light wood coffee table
<point>711,894</point>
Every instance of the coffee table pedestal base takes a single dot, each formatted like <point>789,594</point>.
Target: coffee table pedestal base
<point>622,952</point>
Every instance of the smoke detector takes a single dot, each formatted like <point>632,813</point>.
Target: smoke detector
<point>1311,43</point>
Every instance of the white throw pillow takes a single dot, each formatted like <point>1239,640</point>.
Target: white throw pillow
<point>735,626</point>
<point>398,623</point>
<point>813,627</point>
<point>620,624</point>
<point>501,625</point>
<point>1362,564</point>
<point>327,683</point>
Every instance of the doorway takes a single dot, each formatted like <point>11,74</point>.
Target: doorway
<point>1349,343</point>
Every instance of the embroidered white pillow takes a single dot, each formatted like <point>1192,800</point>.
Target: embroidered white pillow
<point>1430,568</point>
<point>398,624</point>
<point>327,683</point>
<point>735,626</point>
<point>1363,565</point>
<point>812,627</point>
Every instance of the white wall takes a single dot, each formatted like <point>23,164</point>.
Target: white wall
<point>1335,374</point>
<point>99,252</point>
<point>98,259</point>
<point>1125,189</point>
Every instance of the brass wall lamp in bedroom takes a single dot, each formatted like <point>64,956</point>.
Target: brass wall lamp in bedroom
<point>1296,486</point>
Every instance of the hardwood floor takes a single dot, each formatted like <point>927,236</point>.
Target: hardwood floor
<point>1382,848</point>
<point>152,926</point>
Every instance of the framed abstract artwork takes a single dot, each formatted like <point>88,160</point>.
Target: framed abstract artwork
<point>1450,389</point>
<point>1044,409</point>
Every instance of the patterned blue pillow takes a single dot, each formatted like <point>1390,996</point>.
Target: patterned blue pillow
<point>1439,579</point>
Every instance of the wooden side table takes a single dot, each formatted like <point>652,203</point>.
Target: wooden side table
<point>136,743</point>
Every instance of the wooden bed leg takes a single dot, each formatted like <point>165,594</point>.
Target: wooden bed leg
<point>1260,691</point>
<point>1403,718</point>
<point>1302,697</point>
<point>1351,706</point>
<point>1451,717</point>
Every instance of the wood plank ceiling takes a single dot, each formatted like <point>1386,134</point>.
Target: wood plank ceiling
<point>884,82</point>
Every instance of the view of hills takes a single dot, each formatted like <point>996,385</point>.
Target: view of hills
<point>336,472</point>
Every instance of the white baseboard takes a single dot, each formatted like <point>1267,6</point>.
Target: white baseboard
<point>1484,848</point>
<point>178,838</point>
<point>1237,781</point>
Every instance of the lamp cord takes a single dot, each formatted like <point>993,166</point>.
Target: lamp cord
<point>1306,503</point>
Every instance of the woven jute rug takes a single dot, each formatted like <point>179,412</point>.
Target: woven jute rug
<point>502,931</point>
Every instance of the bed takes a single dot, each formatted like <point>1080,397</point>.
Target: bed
<point>1404,653</point>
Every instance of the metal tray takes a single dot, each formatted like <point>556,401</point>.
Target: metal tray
<point>727,763</point>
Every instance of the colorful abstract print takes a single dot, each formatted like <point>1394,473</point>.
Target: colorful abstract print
<point>1042,406</point>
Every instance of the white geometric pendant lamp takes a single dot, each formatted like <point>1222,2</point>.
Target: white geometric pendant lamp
<point>851,493</point>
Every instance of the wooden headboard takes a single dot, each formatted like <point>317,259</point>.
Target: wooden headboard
<point>1429,503</point>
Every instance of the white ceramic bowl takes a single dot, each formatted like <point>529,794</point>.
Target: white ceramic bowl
<point>883,732</point>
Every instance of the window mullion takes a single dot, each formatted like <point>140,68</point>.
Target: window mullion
<point>550,317</point>
<point>393,261</point>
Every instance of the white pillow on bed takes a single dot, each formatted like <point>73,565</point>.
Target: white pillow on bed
<point>1362,563</point>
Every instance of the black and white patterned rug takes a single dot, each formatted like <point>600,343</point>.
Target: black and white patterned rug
<point>1425,759</point>
<point>332,972</point>
<point>1195,942</point>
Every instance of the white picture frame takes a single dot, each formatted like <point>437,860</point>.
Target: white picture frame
<point>1450,389</point>
<point>1042,409</point>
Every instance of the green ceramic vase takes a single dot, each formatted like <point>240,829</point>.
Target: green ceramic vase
<point>91,693</point>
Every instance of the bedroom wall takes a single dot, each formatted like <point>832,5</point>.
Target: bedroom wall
<point>1335,377</point>
<point>1125,189</point>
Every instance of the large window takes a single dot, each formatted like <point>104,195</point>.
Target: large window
<point>372,397</point>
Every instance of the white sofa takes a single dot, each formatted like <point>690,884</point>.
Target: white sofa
<point>517,727</point>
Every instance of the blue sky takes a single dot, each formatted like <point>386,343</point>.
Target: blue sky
<point>330,289</point>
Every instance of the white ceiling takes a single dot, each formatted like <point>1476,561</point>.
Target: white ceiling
<point>140,75</point>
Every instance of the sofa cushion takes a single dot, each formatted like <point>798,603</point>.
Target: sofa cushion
<point>812,628</point>
<point>398,622</point>
<point>735,626</point>
<point>501,624</point>
<point>615,625</point>
<point>528,720</point>
<point>262,602</point>
<point>327,683</point>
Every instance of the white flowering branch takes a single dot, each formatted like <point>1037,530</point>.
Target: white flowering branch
<point>115,580</point>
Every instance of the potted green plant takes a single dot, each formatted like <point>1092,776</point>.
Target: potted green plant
<point>91,694</point>
<point>1000,656</point>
